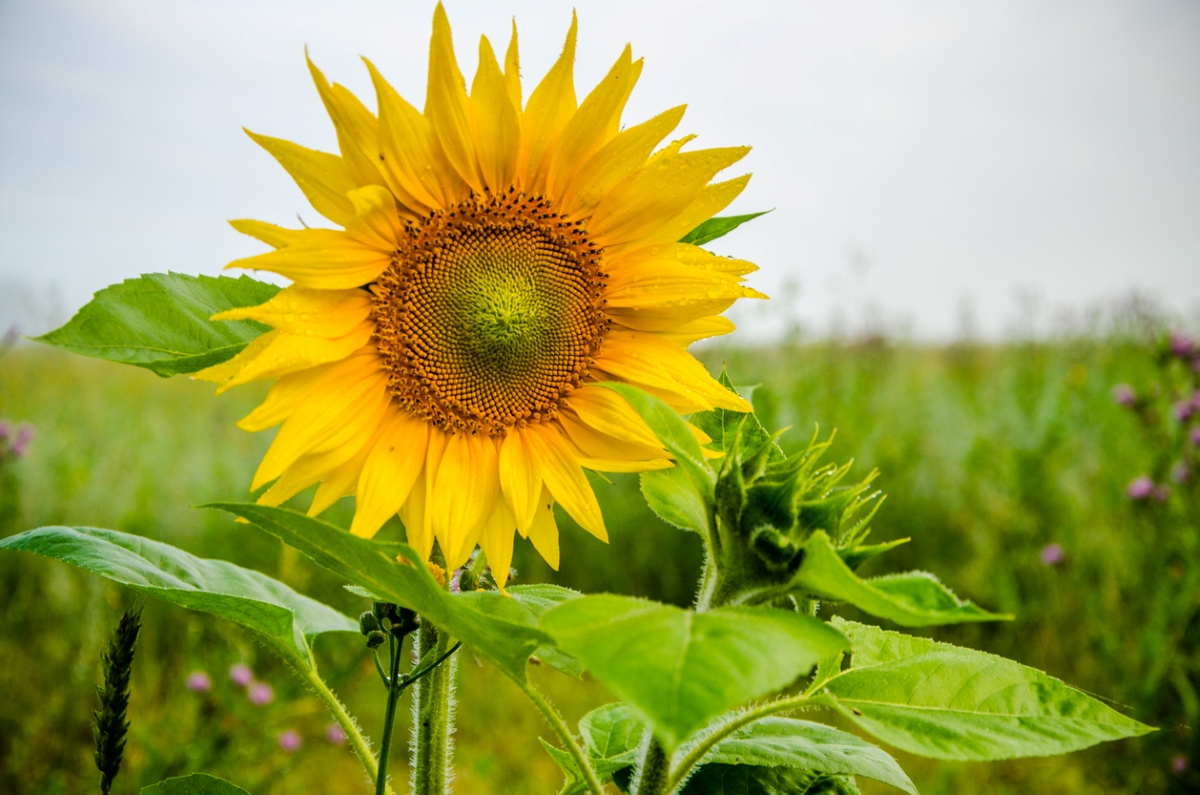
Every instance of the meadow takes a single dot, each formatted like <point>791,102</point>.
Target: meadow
<point>988,455</point>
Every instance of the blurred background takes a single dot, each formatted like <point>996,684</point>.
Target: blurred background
<point>984,262</point>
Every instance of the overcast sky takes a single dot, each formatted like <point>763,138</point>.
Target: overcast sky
<point>919,156</point>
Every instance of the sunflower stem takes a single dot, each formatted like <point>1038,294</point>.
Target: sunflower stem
<point>653,771</point>
<point>433,710</point>
<point>564,733</point>
<point>389,718</point>
<point>357,741</point>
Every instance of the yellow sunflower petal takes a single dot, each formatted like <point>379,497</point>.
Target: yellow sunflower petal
<point>390,472</point>
<point>465,492</point>
<point>356,127</point>
<point>272,235</point>
<point>653,196</point>
<point>406,143</point>
<point>610,414</point>
<point>342,481</point>
<point>446,104</point>
<point>615,161</point>
<point>315,313</point>
<point>701,329</point>
<point>283,398</point>
<point>615,465</point>
<point>543,532</point>
<point>412,514</point>
<point>313,468</point>
<point>647,358</point>
<point>565,479</point>
<point>221,373</point>
<point>352,396</point>
<point>495,122</point>
<point>323,259</point>
<point>288,353</point>
<point>710,201</point>
<point>512,70</point>
<point>520,478</point>
<point>322,177</point>
<point>497,542</point>
<point>376,220</point>
<point>594,124</point>
<point>550,107</point>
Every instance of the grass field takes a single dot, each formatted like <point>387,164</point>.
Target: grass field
<point>987,453</point>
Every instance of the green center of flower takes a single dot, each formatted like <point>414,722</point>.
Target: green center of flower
<point>490,315</point>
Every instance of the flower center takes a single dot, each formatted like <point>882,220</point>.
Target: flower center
<point>489,314</point>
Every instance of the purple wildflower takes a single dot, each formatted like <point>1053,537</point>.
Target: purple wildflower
<point>260,694</point>
<point>1181,473</point>
<point>21,443</point>
<point>1182,345</point>
<point>1179,765</point>
<point>1140,488</point>
<point>1184,410</point>
<point>199,682</point>
<point>335,734</point>
<point>289,741</point>
<point>1123,395</point>
<point>1195,436</point>
<point>1052,554</point>
<point>240,674</point>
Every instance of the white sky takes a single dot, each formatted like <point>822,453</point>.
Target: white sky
<point>919,155</point>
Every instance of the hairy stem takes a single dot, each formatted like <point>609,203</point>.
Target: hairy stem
<point>652,773</point>
<point>389,718</point>
<point>696,753</point>
<point>433,716</point>
<point>357,741</point>
<point>564,733</point>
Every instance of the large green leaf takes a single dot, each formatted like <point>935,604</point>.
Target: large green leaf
<point>683,494</point>
<point>911,599</point>
<point>946,702</point>
<point>195,784</point>
<point>787,742</point>
<point>679,668</point>
<point>720,779</point>
<point>160,321</point>
<point>496,627</point>
<point>534,599</point>
<point>282,617</point>
<point>717,227</point>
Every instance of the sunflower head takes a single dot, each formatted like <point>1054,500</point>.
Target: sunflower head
<point>491,259</point>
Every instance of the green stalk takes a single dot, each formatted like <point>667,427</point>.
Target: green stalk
<point>389,718</point>
<point>653,772</point>
<point>433,717</point>
<point>560,728</point>
<point>357,741</point>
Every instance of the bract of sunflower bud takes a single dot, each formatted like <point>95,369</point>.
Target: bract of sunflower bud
<point>769,504</point>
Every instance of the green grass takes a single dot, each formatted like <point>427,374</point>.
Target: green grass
<point>987,454</point>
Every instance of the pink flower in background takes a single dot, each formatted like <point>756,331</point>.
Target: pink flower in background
<point>335,734</point>
<point>1184,409</point>
<point>1123,395</point>
<point>199,682</point>
<point>1181,473</point>
<point>1052,554</point>
<point>289,741</point>
<point>1179,764</point>
<point>1182,345</point>
<point>260,694</point>
<point>1196,436</point>
<point>241,675</point>
<point>1140,488</point>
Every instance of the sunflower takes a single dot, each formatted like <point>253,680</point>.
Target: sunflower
<point>437,355</point>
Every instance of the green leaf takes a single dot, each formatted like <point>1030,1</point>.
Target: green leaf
<point>946,702</point>
<point>721,423</point>
<point>683,494</point>
<point>537,599</point>
<point>574,782</point>
<point>285,619</point>
<point>787,742</point>
<point>679,668</point>
<point>195,784</point>
<point>612,735</point>
<point>496,627</point>
<point>720,779</point>
<point>855,556</point>
<point>160,321</point>
<point>911,599</point>
<point>717,227</point>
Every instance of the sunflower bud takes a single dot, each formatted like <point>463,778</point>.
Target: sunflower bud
<point>375,639</point>
<point>368,623</point>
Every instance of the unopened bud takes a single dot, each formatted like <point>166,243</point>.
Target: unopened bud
<point>404,622</point>
<point>368,623</point>
<point>375,639</point>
